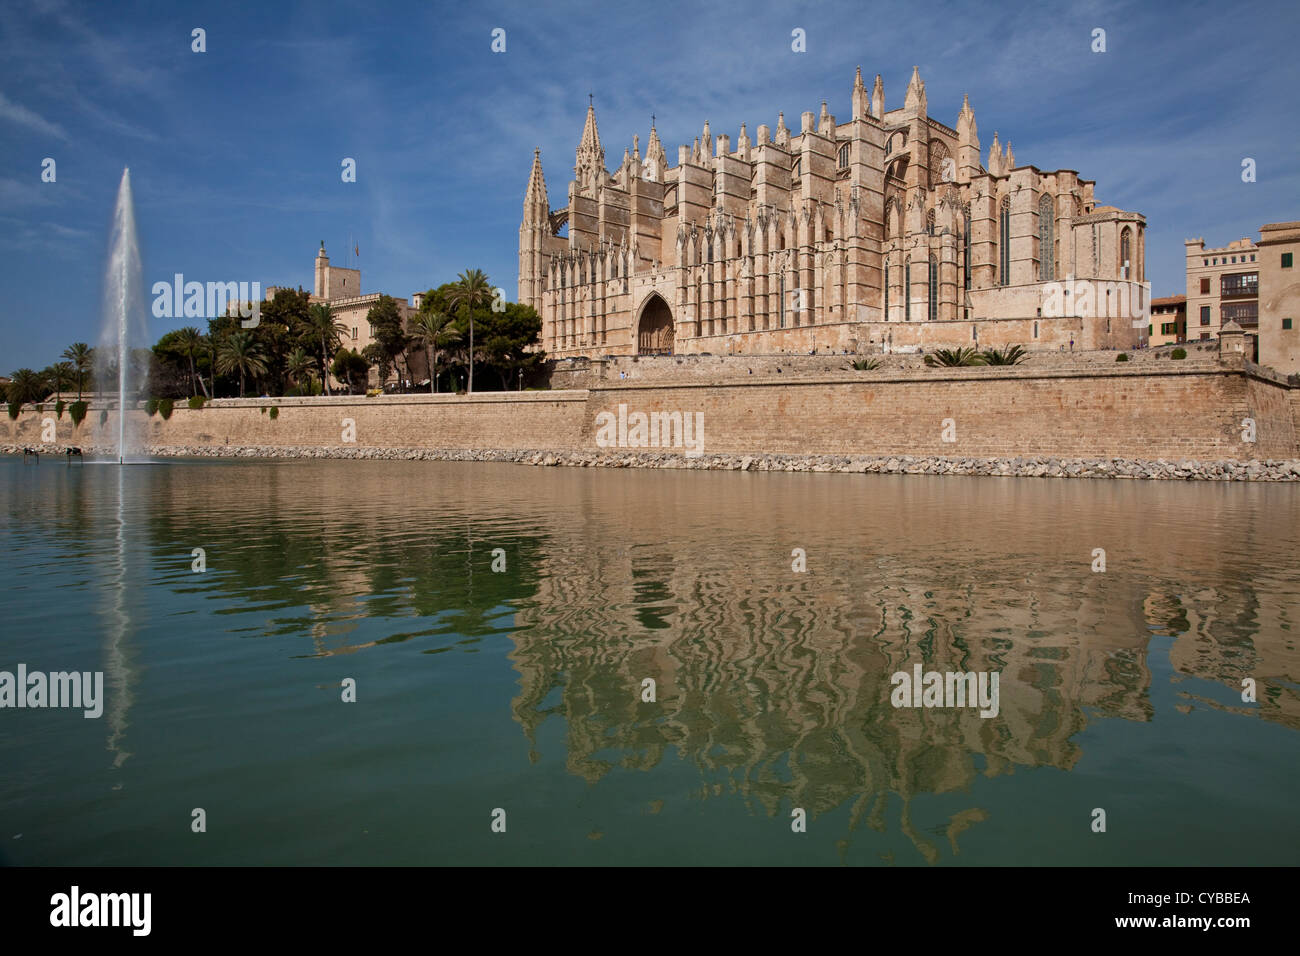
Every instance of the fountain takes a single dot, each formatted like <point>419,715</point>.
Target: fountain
<point>124,319</point>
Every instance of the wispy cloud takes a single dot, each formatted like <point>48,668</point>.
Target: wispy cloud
<point>17,113</point>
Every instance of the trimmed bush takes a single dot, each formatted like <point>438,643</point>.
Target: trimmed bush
<point>274,413</point>
<point>165,406</point>
<point>14,408</point>
<point>77,412</point>
<point>151,406</point>
<point>196,401</point>
<point>1178,354</point>
<point>59,407</point>
<point>1122,357</point>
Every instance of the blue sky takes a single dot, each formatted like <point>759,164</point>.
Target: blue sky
<point>235,153</point>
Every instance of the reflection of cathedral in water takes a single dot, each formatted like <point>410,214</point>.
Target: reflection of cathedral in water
<point>779,682</point>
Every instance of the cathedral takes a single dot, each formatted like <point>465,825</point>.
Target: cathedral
<point>885,233</point>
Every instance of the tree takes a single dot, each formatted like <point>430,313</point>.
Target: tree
<point>191,342</point>
<point>508,338</point>
<point>280,330</point>
<point>386,325</point>
<point>82,357</point>
<point>324,331</point>
<point>434,331</point>
<point>58,375</point>
<point>350,367</point>
<point>26,385</point>
<point>299,366</point>
<point>471,290</point>
<point>239,352</point>
<point>376,356</point>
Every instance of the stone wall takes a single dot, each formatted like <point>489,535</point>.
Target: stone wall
<point>1154,410</point>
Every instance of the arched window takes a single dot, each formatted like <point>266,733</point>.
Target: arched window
<point>907,290</point>
<point>934,289</point>
<point>886,290</point>
<point>844,156</point>
<point>929,223</point>
<point>1046,243</point>
<point>1125,250</point>
<point>965,250</point>
<point>1004,243</point>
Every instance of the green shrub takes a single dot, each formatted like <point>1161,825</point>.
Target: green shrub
<point>274,413</point>
<point>103,416</point>
<point>196,401</point>
<point>165,406</point>
<point>262,409</point>
<point>1011,355</point>
<point>59,407</point>
<point>77,412</point>
<point>1178,354</point>
<point>1122,357</point>
<point>865,365</point>
<point>40,407</point>
<point>151,406</point>
<point>14,408</point>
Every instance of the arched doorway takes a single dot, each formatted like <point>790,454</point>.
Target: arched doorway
<point>654,331</point>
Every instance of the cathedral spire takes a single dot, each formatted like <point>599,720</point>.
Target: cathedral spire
<point>535,194</point>
<point>589,161</point>
<point>861,103</point>
<point>915,99</point>
<point>878,98</point>
<point>995,156</point>
<point>782,134</point>
<point>1010,159</point>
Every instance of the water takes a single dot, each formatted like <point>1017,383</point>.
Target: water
<point>521,690</point>
<point>124,328</point>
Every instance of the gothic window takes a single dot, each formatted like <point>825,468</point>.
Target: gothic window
<point>1046,244</point>
<point>907,290</point>
<point>929,223</point>
<point>1004,243</point>
<point>844,156</point>
<point>934,289</point>
<point>965,254</point>
<point>1125,249</point>
<point>794,170</point>
<point>940,167</point>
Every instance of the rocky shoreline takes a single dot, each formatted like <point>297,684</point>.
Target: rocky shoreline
<point>1021,467</point>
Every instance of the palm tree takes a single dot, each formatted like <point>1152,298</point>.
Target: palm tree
<point>434,331</point>
<point>82,357</point>
<point>58,375</point>
<point>299,365</point>
<point>1011,355</point>
<point>953,358</point>
<point>26,385</point>
<point>240,352</point>
<point>323,328</point>
<point>191,342</point>
<point>471,290</point>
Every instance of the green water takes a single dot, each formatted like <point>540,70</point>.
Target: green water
<point>522,689</point>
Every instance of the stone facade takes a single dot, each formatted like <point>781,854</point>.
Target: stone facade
<point>1222,286</point>
<point>848,236</point>
<point>1279,296</point>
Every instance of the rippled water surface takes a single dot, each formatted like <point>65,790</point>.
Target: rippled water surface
<point>521,689</point>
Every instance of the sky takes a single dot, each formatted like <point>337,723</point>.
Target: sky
<point>236,152</point>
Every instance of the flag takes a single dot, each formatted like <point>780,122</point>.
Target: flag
<point>357,250</point>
